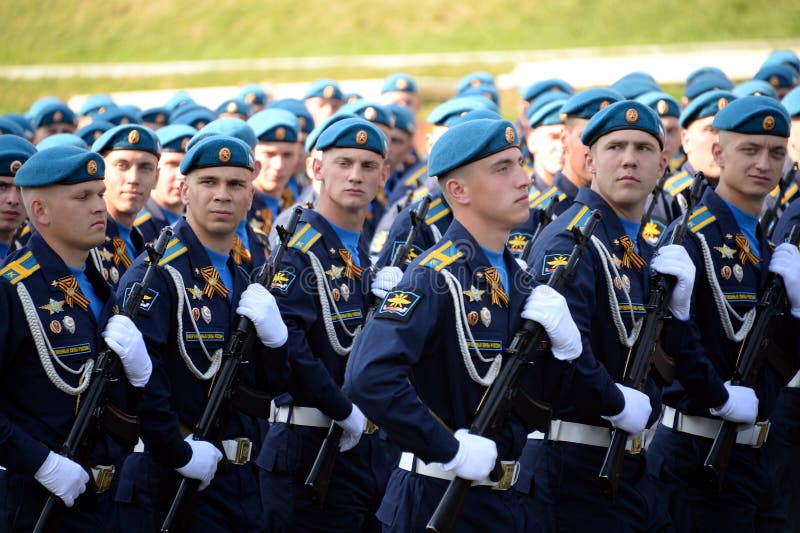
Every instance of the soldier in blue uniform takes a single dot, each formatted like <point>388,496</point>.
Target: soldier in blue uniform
<point>188,316</point>
<point>255,96</point>
<point>165,207</point>
<point>53,299</point>
<point>323,289</point>
<point>323,98</point>
<point>423,364</point>
<point>792,104</point>
<point>51,118</point>
<point>545,128</point>
<point>401,89</point>
<point>14,151</point>
<point>733,259</point>
<point>131,155</point>
<point>606,298</point>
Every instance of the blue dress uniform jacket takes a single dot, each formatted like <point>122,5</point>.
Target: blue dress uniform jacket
<point>175,397</point>
<point>705,357</point>
<point>562,188</point>
<point>113,252</point>
<point>317,372</point>
<point>150,220</point>
<point>35,416</point>
<point>261,216</point>
<point>410,179</point>
<point>407,372</point>
<point>568,493</point>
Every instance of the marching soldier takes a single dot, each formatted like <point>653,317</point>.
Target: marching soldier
<point>14,151</point>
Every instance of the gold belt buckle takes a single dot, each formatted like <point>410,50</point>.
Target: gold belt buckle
<point>637,443</point>
<point>370,428</point>
<point>243,446</point>
<point>509,476</point>
<point>102,477</point>
<point>763,430</point>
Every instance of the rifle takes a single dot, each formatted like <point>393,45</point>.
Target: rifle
<point>770,216</point>
<point>506,394</point>
<point>319,477</point>
<point>748,366</point>
<point>106,369</point>
<point>546,216</point>
<point>240,344</point>
<point>640,358</point>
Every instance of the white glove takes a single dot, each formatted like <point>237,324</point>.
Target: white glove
<point>741,407</point>
<point>259,305</point>
<point>203,464</point>
<point>673,260</point>
<point>122,336</point>
<point>547,307</point>
<point>633,417</point>
<point>353,427</point>
<point>63,477</point>
<point>475,458</point>
<point>786,263</point>
<point>385,280</point>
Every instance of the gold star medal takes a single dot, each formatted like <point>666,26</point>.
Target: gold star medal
<point>725,251</point>
<point>474,294</point>
<point>195,291</point>
<point>54,306</point>
<point>335,272</point>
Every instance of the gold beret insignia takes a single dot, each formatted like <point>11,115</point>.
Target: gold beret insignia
<point>721,103</point>
<point>361,137</point>
<point>510,134</point>
<point>250,98</point>
<point>604,104</point>
<point>662,107</point>
<point>370,113</point>
<point>184,143</point>
<point>124,120</point>
<point>329,91</point>
<point>280,134</point>
<point>562,117</point>
<point>774,81</point>
<point>402,84</point>
<point>631,115</point>
<point>200,125</point>
<point>97,135</point>
<point>160,118</point>
<point>91,167</point>
<point>475,83</point>
<point>224,155</point>
<point>101,110</point>
<point>58,116</point>
<point>231,107</point>
<point>14,167</point>
<point>302,122</point>
<point>133,136</point>
<point>768,123</point>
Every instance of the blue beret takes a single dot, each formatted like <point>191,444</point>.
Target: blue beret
<point>96,104</point>
<point>371,111</point>
<point>486,91</point>
<point>470,141</point>
<point>354,133</point>
<point>311,140</point>
<point>194,116</point>
<point>218,151</point>
<point>662,103</point>
<point>535,90</point>
<point>754,115</point>
<point>93,131</point>
<point>779,76</point>
<point>62,165</point>
<point>156,115</point>
<point>473,115</point>
<point>39,104</point>
<point>545,111</point>
<point>792,102</point>
<point>705,105</point>
<point>474,79</point>
<point>785,57</point>
<point>253,94</point>
<point>399,81</point>
<point>624,115</point>
<point>299,109</point>
<point>54,113</point>
<point>10,127</point>
<point>229,126</point>
<point>404,118</point>
<point>62,139</point>
<point>179,99</point>
<point>586,103</point>
<point>635,84</point>
<point>349,98</point>
<point>175,137</point>
<point>13,152</point>
<point>121,115</point>
<point>234,105</point>
<point>755,88</point>
<point>275,125</point>
<point>22,122</point>
<point>703,71</point>
<point>325,88</point>
<point>128,137</point>
<point>453,107</point>
<point>710,81</point>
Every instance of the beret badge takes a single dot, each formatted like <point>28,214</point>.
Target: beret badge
<point>91,167</point>
<point>133,137</point>
<point>768,123</point>
<point>631,115</point>
<point>510,135</point>
<point>361,137</point>
<point>224,155</point>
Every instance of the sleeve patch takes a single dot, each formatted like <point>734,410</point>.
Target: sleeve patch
<point>147,302</point>
<point>553,260</point>
<point>413,252</point>
<point>398,305</point>
<point>282,280</point>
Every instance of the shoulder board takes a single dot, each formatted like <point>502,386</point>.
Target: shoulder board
<point>143,216</point>
<point>305,238</point>
<point>25,229</point>
<point>436,211</point>
<point>175,248</point>
<point>20,269</point>
<point>700,219</point>
<point>580,219</point>
<point>414,178</point>
<point>419,194</point>
<point>442,256</point>
<point>677,161</point>
<point>678,182</point>
<point>789,194</point>
<point>540,200</point>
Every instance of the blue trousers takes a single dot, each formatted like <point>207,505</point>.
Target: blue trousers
<point>146,490</point>
<point>782,452</point>
<point>357,484</point>
<point>568,493</point>
<point>747,502</point>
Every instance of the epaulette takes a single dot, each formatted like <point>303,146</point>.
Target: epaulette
<point>143,216</point>
<point>539,200</point>
<point>678,182</point>
<point>790,192</point>
<point>700,219</point>
<point>415,177</point>
<point>436,211</point>
<point>420,193</point>
<point>175,248</point>
<point>20,269</point>
<point>305,238</point>
<point>444,255</point>
<point>677,162</point>
<point>580,219</point>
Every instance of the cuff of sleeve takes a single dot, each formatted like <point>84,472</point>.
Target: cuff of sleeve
<point>615,404</point>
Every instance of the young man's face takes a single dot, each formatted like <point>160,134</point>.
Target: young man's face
<point>217,199</point>
<point>130,177</point>
<point>278,161</point>
<point>575,151</point>
<point>545,145</point>
<point>12,212</point>
<point>672,139</point>
<point>167,192</point>
<point>698,138</point>
<point>73,215</point>
<point>750,165</point>
<point>350,177</point>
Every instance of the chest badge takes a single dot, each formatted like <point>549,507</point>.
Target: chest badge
<point>474,294</point>
<point>472,318</point>
<point>486,316</point>
<point>195,291</point>
<point>335,272</point>
<point>205,312</point>
<point>725,251</point>
<point>54,306</point>
<point>738,272</point>
<point>69,324</point>
<point>725,272</point>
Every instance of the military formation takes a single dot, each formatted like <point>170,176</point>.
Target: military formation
<point>284,315</point>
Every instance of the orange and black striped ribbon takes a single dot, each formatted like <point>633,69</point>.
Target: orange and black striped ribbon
<point>745,255</point>
<point>121,256</point>
<point>213,283</point>
<point>496,291</point>
<point>72,292</point>
<point>351,270</point>
<point>239,252</point>
<point>630,259</point>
